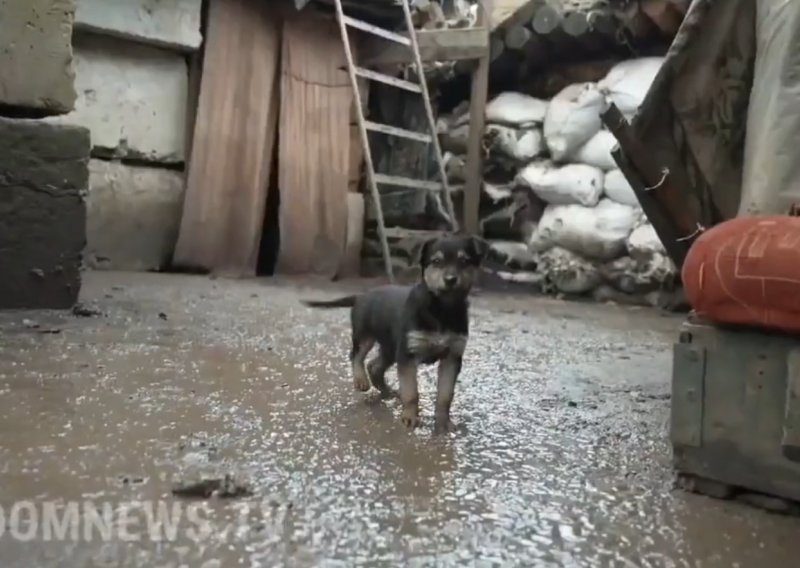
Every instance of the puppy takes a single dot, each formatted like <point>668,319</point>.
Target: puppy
<point>417,325</point>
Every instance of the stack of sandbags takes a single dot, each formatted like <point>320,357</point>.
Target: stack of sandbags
<point>593,233</point>
<point>512,139</point>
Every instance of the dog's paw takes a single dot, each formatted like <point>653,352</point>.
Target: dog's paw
<point>387,394</point>
<point>441,427</point>
<point>411,421</point>
<point>361,383</point>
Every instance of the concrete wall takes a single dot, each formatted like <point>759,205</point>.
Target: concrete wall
<point>36,55</point>
<point>174,24</point>
<point>132,98</point>
<point>133,216</point>
<point>132,83</point>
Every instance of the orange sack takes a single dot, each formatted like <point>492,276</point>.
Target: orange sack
<point>746,271</point>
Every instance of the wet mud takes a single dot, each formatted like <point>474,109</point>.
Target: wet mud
<point>561,456</point>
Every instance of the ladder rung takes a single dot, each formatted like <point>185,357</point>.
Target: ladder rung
<point>408,182</point>
<point>401,233</point>
<point>394,131</point>
<point>388,79</point>
<point>375,30</point>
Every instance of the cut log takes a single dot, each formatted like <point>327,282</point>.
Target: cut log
<point>664,14</point>
<point>575,24</point>
<point>547,19</point>
<point>517,37</point>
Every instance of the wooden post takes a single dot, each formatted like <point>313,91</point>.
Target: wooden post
<point>477,118</point>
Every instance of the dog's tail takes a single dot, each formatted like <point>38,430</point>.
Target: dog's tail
<point>345,302</point>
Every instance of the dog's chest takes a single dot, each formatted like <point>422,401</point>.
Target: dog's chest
<point>430,346</point>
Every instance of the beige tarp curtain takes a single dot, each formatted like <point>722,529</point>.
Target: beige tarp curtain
<point>771,180</point>
<point>724,113</point>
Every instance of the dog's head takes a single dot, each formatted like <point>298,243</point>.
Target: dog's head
<point>450,264</point>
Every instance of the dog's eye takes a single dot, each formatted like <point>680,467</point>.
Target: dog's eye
<point>437,261</point>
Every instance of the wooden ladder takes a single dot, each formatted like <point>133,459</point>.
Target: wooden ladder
<point>420,87</point>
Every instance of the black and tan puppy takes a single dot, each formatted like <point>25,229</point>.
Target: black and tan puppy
<point>417,325</point>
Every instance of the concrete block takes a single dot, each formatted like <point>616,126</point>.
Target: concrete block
<point>36,55</point>
<point>132,98</point>
<point>133,216</point>
<point>173,24</point>
<point>44,174</point>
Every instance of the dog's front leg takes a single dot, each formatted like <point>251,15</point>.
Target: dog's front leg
<point>449,368</point>
<point>409,395</point>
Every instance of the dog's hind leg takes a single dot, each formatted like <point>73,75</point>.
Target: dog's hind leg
<point>449,368</point>
<point>377,368</point>
<point>361,347</point>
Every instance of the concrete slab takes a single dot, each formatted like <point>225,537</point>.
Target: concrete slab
<point>43,176</point>
<point>36,55</point>
<point>168,23</point>
<point>133,216</point>
<point>132,97</point>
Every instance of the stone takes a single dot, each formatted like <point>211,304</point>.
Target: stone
<point>173,24</point>
<point>36,55</point>
<point>133,216</point>
<point>132,97</point>
<point>44,175</point>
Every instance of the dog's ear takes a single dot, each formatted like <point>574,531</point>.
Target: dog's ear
<point>424,255</point>
<point>479,249</point>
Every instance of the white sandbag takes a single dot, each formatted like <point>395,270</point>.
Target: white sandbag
<point>597,151</point>
<point>639,276</point>
<point>592,232</point>
<point>522,144</point>
<point>627,83</point>
<point>573,117</point>
<point>516,108</point>
<point>573,183</point>
<point>643,243</point>
<point>617,188</point>
<point>512,253</point>
<point>568,272</point>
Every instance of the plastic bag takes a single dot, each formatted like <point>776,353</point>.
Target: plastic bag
<point>597,151</point>
<point>573,183</point>
<point>592,232</point>
<point>522,144</point>
<point>573,117</point>
<point>516,108</point>
<point>627,83</point>
<point>617,188</point>
<point>568,272</point>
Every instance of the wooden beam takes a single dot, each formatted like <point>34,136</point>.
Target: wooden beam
<point>477,119</point>
<point>653,184</point>
<point>434,45</point>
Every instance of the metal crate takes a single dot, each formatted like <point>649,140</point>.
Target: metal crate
<point>736,408</point>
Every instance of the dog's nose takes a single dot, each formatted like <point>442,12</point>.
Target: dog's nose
<point>450,280</point>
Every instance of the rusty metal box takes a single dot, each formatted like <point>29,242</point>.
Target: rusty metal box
<point>736,408</point>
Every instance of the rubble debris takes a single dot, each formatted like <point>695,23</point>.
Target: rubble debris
<point>226,487</point>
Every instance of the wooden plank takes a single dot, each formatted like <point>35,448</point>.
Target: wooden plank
<point>401,181</point>
<point>434,45</point>
<point>477,119</point>
<point>388,80</point>
<point>233,140</point>
<point>314,135</point>
<point>398,132</point>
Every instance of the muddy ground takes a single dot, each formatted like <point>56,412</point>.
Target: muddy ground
<point>561,458</point>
